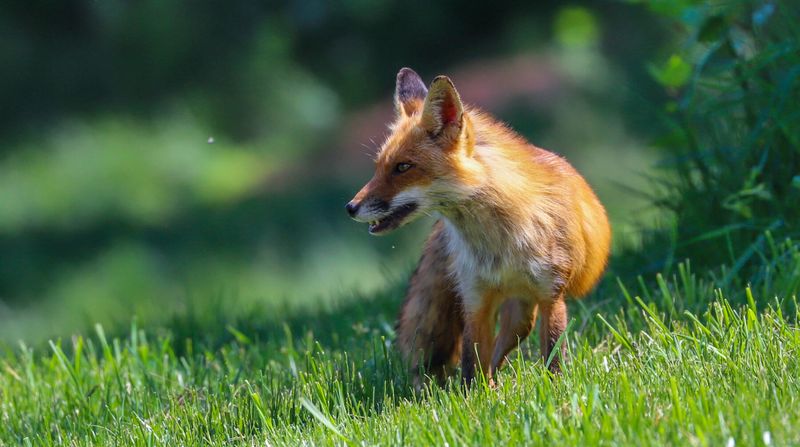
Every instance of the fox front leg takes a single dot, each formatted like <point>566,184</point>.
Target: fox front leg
<point>553,324</point>
<point>516,321</point>
<point>478,343</point>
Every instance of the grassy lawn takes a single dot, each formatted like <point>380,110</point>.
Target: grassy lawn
<point>690,367</point>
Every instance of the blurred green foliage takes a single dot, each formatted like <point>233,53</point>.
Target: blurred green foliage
<point>575,27</point>
<point>733,145</point>
<point>156,154</point>
<point>122,169</point>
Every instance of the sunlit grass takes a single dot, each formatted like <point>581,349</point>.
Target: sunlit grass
<point>676,364</point>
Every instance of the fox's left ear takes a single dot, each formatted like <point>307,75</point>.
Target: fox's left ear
<point>409,92</point>
<point>443,113</point>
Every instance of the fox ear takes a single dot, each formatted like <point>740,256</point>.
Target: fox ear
<point>409,92</point>
<point>443,111</point>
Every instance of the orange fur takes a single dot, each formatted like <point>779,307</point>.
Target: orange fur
<point>520,229</point>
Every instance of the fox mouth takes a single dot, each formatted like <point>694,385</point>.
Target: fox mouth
<point>392,220</point>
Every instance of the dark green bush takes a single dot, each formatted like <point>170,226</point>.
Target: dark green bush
<point>732,169</point>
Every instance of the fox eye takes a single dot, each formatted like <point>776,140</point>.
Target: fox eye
<point>402,167</point>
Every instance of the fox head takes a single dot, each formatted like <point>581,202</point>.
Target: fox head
<point>425,164</point>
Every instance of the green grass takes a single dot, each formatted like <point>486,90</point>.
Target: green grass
<point>685,363</point>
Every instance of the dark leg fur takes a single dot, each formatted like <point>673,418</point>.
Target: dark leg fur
<point>430,324</point>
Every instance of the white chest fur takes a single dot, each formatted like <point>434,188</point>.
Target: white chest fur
<point>487,261</point>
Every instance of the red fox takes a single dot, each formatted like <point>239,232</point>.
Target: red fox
<point>519,231</point>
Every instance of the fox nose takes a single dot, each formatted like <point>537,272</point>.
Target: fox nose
<point>352,208</point>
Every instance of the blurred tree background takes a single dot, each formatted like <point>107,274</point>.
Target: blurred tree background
<point>159,153</point>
